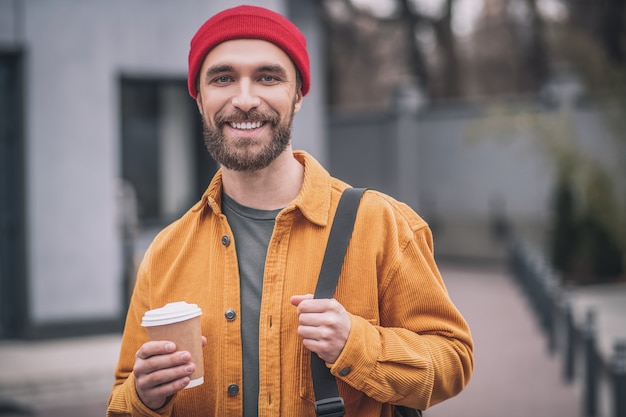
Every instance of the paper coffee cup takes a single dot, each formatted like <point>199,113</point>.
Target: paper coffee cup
<point>179,322</point>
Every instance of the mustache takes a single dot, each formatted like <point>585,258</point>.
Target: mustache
<point>254,115</point>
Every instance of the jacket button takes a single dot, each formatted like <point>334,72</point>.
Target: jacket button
<point>225,240</point>
<point>230,314</point>
<point>345,371</point>
<point>233,389</point>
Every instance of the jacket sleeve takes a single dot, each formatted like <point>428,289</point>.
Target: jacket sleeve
<point>124,400</point>
<point>420,352</point>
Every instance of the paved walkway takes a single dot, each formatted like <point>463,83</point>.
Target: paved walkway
<point>608,303</point>
<point>514,374</point>
<point>49,378</point>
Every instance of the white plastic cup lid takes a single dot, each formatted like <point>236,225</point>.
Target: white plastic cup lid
<point>171,313</point>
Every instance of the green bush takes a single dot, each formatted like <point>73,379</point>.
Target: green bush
<point>584,246</point>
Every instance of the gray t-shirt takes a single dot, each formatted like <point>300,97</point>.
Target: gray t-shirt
<point>252,230</point>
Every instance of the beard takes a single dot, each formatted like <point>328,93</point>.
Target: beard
<point>239,156</point>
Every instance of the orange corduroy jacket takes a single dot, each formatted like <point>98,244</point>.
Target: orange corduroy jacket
<point>408,344</point>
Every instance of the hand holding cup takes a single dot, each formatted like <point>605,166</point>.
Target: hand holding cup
<point>172,359</point>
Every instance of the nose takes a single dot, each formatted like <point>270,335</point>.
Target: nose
<point>245,98</point>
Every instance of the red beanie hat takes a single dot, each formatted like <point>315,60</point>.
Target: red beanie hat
<point>248,22</point>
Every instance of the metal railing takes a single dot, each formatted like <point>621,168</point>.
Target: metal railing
<point>601,377</point>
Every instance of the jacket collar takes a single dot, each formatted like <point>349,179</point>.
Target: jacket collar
<point>313,200</point>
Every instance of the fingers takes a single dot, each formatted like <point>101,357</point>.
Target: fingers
<point>307,304</point>
<point>324,325</point>
<point>160,372</point>
<point>297,299</point>
<point>323,320</point>
<point>150,349</point>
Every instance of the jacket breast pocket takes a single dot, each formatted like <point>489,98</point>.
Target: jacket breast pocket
<point>305,380</point>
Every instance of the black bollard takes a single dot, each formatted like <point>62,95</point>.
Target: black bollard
<point>618,374</point>
<point>590,395</point>
<point>552,290</point>
<point>569,344</point>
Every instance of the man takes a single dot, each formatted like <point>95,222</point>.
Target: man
<point>249,254</point>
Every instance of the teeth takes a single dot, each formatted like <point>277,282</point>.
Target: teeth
<point>246,125</point>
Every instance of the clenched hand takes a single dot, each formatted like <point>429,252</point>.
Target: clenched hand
<point>324,325</point>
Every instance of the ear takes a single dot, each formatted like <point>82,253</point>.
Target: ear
<point>199,103</point>
<point>297,104</point>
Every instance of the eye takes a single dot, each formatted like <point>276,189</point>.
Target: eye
<point>268,78</point>
<point>222,79</point>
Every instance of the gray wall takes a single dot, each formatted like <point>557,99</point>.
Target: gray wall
<point>459,165</point>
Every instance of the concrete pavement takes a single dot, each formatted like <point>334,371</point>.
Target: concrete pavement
<point>608,303</point>
<point>514,374</point>
<point>42,376</point>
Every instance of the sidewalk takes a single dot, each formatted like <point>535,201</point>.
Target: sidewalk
<point>608,303</point>
<point>514,374</point>
<point>49,375</point>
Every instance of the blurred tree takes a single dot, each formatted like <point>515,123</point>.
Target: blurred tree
<point>603,20</point>
<point>593,43</point>
<point>459,49</point>
<point>537,55</point>
<point>600,218</point>
<point>563,235</point>
<point>419,41</point>
<point>446,43</point>
<point>411,21</point>
<point>584,247</point>
<point>368,56</point>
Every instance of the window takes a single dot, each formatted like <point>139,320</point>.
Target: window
<point>12,230</point>
<point>163,155</point>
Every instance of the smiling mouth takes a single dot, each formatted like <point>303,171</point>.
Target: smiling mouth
<point>246,125</point>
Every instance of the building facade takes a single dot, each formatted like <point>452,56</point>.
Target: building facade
<point>97,135</point>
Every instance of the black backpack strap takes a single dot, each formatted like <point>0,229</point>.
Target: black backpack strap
<point>340,234</point>
<point>328,402</point>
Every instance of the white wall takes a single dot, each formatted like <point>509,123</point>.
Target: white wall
<point>75,53</point>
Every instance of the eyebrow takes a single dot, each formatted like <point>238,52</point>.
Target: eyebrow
<point>276,69</point>
<point>220,69</point>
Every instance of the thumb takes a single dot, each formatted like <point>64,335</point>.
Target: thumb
<point>297,299</point>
